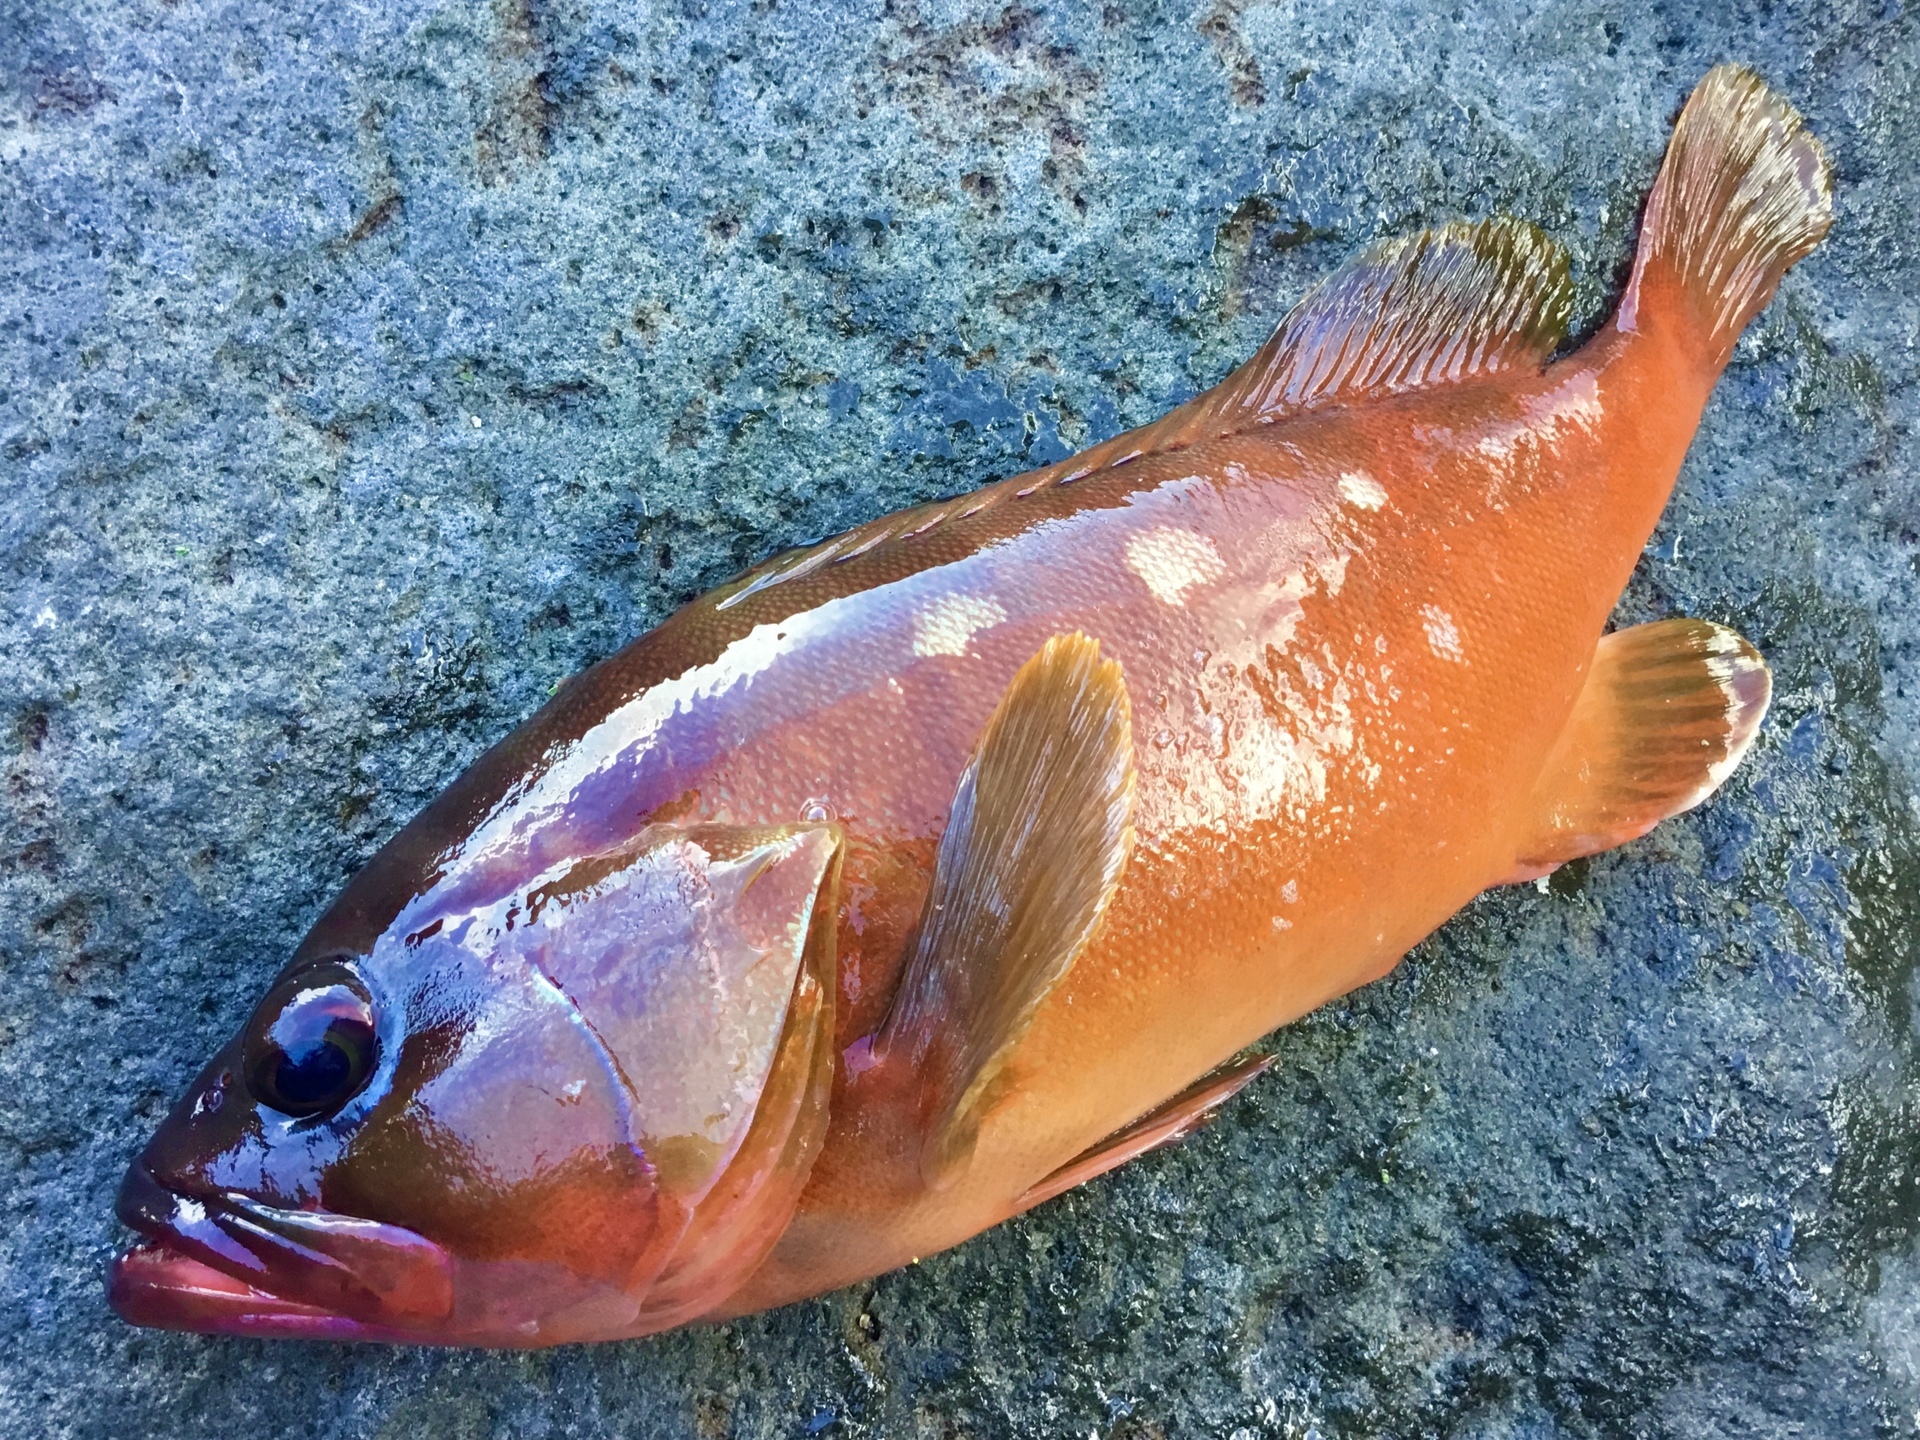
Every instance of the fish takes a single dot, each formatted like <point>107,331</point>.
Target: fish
<point>917,876</point>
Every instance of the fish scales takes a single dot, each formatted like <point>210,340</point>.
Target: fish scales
<point>1298,725</point>
<point>845,913</point>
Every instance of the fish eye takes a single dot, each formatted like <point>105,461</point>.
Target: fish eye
<point>311,1045</point>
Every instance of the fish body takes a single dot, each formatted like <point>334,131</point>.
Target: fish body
<point>1340,702</point>
<point>900,883</point>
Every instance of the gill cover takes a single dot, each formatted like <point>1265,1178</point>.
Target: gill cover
<point>727,1050</point>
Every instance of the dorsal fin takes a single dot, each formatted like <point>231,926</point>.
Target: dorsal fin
<point>1432,308</point>
<point>1039,833</point>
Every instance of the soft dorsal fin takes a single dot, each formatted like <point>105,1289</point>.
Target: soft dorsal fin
<point>1433,308</point>
<point>1040,830</point>
<point>1665,715</point>
<point>1166,1124</point>
<point>1427,309</point>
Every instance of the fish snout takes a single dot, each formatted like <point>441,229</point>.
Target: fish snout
<point>182,1224</point>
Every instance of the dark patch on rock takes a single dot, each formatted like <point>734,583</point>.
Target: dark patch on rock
<point>1221,26</point>
<point>382,213</point>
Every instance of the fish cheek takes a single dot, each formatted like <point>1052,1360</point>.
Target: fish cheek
<point>505,1137</point>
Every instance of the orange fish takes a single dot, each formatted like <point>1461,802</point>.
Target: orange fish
<point>915,877</point>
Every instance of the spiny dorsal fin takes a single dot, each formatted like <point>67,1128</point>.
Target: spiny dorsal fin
<point>1666,713</point>
<point>1040,829</point>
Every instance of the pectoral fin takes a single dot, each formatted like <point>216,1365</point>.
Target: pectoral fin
<point>1666,713</point>
<point>1165,1125</point>
<point>1038,835</point>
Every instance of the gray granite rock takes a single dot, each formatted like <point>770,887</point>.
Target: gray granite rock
<point>366,369</point>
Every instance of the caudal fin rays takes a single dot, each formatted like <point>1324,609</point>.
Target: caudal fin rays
<point>1745,190</point>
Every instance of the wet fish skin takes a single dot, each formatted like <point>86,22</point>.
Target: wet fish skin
<point>1345,612</point>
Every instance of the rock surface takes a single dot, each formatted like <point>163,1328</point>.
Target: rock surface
<point>367,369</point>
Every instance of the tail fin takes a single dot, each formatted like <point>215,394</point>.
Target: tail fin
<point>1745,191</point>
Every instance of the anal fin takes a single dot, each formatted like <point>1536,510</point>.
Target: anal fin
<point>1666,713</point>
<point>1039,832</point>
<point>1166,1124</point>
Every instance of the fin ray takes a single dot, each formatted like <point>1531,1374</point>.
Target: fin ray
<point>1432,308</point>
<point>1744,192</point>
<point>1039,833</point>
<point>1164,1125</point>
<point>1666,713</point>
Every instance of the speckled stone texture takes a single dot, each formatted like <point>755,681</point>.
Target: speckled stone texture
<point>365,369</point>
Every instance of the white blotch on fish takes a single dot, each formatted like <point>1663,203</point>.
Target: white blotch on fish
<point>1171,562</point>
<point>1361,489</point>
<point>1442,634</point>
<point>949,624</point>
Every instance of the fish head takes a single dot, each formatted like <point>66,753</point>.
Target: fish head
<point>583,1110</point>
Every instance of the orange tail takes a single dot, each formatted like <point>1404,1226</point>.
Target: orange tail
<point>1743,193</point>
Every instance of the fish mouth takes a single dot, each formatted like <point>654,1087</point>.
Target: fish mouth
<point>225,1263</point>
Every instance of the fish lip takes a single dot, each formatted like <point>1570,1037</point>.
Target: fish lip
<point>155,1284</point>
<point>226,1262</point>
<point>183,1223</point>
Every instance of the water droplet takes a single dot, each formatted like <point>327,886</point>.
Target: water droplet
<point>818,811</point>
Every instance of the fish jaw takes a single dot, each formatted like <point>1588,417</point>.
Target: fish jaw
<point>155,1285</point>
<point>227,1264</point>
